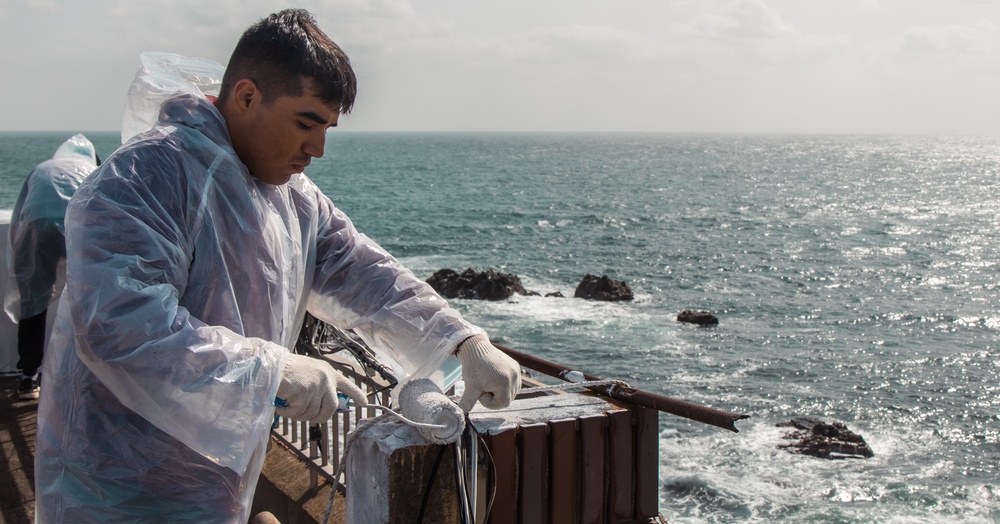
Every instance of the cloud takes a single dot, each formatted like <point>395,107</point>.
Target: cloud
<point>384,27</point>
<point>580,44</point>
<point>936,54</point>
<point>973,41</point>
<point>741,20</point>
<point>745,35</point>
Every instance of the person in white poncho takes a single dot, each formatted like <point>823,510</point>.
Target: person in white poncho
<point>37,249</point>
<point>194,253</point>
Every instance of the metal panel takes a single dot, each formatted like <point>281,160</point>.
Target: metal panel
<point>502,449</point>
<point>647,463</point>
<point>620,461</point>
<point>563,479</point>
<point>533,486</point>
<point>592,468</point>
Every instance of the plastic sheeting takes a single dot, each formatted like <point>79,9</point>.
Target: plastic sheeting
<point>187,280</point>
<point>35,243</point>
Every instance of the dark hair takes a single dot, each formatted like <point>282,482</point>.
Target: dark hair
<point>280,51</point>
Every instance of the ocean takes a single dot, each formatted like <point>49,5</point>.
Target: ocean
<point>855,279</point>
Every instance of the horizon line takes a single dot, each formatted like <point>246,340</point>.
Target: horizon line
<point>568,132</point>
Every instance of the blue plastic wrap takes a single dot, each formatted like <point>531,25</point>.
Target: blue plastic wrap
<point>35,241</point>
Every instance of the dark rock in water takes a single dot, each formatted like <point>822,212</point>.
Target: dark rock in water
<point>603,288</point>
<point>814,437</point>
<point>472,284</point>
<point>555,294</point>
<point>702,318</point>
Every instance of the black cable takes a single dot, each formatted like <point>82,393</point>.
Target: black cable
<point>493,480</point>
<point>430,483</point>
<point>468,437</point>
<point>461,482</point>
<point>380,390</point>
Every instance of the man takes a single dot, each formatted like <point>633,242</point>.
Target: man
<point>37,246</point>
<point>194,253</point>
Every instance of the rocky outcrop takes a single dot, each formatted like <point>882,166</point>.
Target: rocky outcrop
<point>472,284</point>
<point>814,437</point>
<point>702,318</point>
<point>494,285</point>
<point>593,287</point>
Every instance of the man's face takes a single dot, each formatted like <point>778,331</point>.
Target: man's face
<point>279,139</point>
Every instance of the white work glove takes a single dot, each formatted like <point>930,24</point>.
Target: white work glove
<point>309,388</point>
<point>490,376</point>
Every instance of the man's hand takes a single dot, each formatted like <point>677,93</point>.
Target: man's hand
<point>309,388</point>
<point>490,376</point>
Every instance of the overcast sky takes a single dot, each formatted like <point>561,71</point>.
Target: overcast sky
<point>768,66</point>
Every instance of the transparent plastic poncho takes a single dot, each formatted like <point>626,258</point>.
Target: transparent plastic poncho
<point>187,281</point>
<point>36,245</point>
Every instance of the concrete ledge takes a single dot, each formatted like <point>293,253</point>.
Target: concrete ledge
<point>392,469</point>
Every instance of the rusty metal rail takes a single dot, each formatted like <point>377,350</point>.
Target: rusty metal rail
<point>682,408</point>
